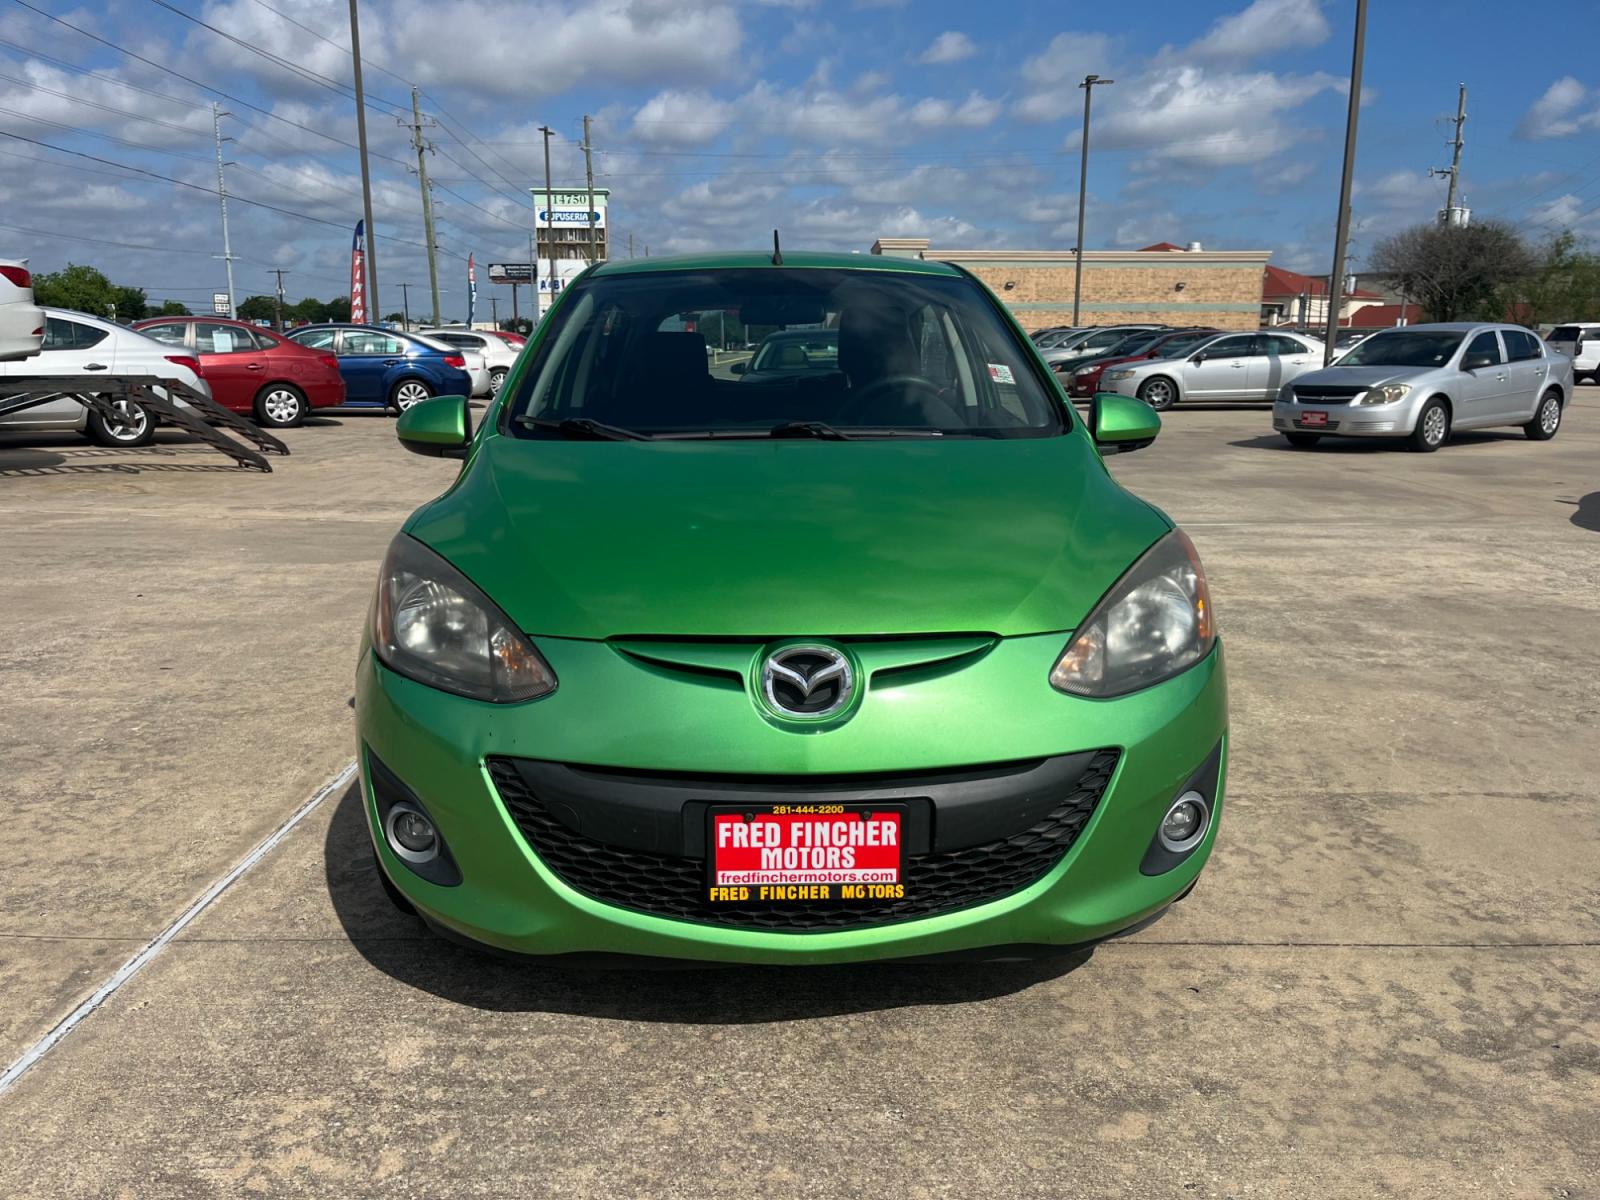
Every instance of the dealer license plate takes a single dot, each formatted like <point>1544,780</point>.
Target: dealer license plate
<point>805,853</point>
<point>1313,418</point>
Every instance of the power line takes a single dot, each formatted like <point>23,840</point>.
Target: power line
<point>205,87</point>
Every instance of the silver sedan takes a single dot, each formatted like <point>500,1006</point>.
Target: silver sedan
<point>1422,382</point>
<point>1231,366</point>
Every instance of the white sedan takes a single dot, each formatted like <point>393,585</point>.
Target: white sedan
<point>1231,366</point>
<point>21,321</point>
<point>498,354</point>
<point>75,343</point>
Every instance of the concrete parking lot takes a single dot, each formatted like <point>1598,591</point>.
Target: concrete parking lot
<point>1387,982</point>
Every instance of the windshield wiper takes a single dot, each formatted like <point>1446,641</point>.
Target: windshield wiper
<point>584,427</point>
<point>809,429</point>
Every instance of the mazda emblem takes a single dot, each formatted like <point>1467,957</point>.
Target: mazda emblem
<point>808,682</point>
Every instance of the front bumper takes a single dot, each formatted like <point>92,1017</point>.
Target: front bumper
<point>1348,420</point>
<point>610,713</point>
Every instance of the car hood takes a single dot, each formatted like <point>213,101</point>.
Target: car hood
<point>766,539</point>
<point>1363,376</point>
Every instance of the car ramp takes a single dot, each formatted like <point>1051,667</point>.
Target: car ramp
<point>172,400</point>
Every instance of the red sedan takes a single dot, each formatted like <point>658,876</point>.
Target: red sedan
<point>253,370</point>
<point>1085,380</point>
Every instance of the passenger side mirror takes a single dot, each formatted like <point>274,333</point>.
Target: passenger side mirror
<point>1198,358</point>
<point>1120,423</point>
<point>1474,362</point>
<point>740,367</point>
<point>438,428</point>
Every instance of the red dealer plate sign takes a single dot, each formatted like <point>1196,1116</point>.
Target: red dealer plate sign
<point>783,853</point>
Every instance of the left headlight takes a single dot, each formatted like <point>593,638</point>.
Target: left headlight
<point>1156,622</point>
<point>1085,371</point>
<point>430,624</point>
<point>1120,373</point>
<point>1387,393</point>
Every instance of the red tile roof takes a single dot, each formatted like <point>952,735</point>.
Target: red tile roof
<point>1279,282</point>
<point>1377,316</point>
<point>1159,246</point>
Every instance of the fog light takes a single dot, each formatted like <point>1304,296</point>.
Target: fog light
<point>1185,822</point>
<point>411,835</point>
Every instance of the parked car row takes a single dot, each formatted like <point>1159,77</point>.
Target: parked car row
<point>275,379</point>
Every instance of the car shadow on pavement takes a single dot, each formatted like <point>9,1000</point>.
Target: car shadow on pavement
<point>1378,445</point>
<point>1588,514</point>
<point>402,948</point>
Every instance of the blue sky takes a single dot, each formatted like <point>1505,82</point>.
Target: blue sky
<point>834,120</point>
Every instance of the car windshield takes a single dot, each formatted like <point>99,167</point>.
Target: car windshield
<point>886,353</point>
<point>807,350</point>
<point>1415,348</point>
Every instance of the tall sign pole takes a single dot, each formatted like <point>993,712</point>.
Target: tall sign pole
<point>549,209</point>
<point>1088,85</point>
<point>588,170</point>
<point>366,174</point>
<point>421,146</point>
<point>1341,237</point>
<point>222,194</point>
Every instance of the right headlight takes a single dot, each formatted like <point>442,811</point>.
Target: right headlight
<point>1156,622</point>
<point>1119,373</point>
<point>1386,393</point>
<point>431,624</point>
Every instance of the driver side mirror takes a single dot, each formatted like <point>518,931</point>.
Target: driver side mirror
<point>1474,362</point>
<point>1198,359</point>
<point>438,428</point>
<point>1121,423</point>
<point>739,368</point>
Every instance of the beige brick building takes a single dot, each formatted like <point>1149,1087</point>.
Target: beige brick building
<point>1172,286</point>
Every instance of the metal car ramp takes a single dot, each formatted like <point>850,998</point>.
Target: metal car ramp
<point>198,413</point>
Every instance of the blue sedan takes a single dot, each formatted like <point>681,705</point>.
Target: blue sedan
<point>382,368</point>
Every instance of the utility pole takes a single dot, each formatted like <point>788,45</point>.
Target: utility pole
<point>277,317</point>
<point>405,305</point>
<point>630,245</point>
<point>494,310</point>
<point>1341,237</point>
<point>550,227</point>
<point>1448,217</point>
<point>1088,85</point>
<point>420,144</point>
<point>222,195</point>
<point>588,171</point>
<point>373,311</point>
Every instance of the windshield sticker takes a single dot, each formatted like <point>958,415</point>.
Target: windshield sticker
<point>1001,373</point>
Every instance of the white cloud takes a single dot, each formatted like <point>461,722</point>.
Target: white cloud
<point>975,112</point>
<point>1556,113</point>
<point>1266,27</point>
<point>1054,74</point>
<point>674,118</point>
<point>1189,115</point>
<point>949,47</point>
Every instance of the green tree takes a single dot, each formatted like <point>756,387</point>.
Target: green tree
<point>130,302</point>
<point>172,308</point>
<point>338,309</point>
<point>77,287</point>
<point>1564,285</point>
<point>308,310</point>
<point>517,325</point>
<point>257,308</point>
<point>1457,274</point>
<point>395,318</point>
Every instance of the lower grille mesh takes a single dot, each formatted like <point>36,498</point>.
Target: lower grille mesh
<point>671,886</point>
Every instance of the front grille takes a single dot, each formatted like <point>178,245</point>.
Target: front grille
<point>1326,393</point>
<point>675,886</point>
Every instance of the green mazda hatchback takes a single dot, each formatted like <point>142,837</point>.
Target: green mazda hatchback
<point>864,658</point>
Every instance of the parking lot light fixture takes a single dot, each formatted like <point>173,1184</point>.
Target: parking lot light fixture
<point>1088,85</point>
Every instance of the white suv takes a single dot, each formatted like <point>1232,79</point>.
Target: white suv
<point>21,321</point>
<point>1579,341</point>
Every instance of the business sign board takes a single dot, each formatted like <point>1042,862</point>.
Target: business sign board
<point>220,305</point>
<point>569,209</point>
<point>510,272</point>
<point>553,274</point>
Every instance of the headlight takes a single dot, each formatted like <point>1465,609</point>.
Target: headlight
<point>1386,394</point>
<point>1120,373</point>
<point>429,623</point>
<point>1155,622</point>
<point>1084,371</point>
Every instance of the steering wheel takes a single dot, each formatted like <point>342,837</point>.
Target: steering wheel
<point>861,402</point>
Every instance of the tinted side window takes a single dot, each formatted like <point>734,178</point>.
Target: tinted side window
<point>1231,347</point>
<point>1485,343</point>
<point>69,335</point>
<point>174,333</point>
<point>1520,344</point>
<point>1283,346</point>
<point>315,339</point>
<point>365,341</point>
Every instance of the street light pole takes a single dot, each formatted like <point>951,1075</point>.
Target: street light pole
<point>1088,85</point>
<point>373,310</point>
<point>1341,237</point>
<point>549,226</point>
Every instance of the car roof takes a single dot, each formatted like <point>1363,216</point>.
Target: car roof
<point>1450,326</point>
<point>806,259</point>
